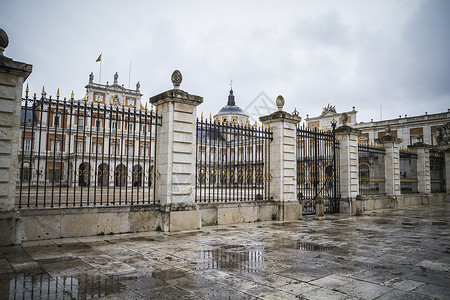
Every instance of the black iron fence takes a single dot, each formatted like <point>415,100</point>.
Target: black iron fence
<point>437,169</point>
<point>408,171</point>
<point>317,168</point>
<point>233,162</point>
<point>75,153</point>
<point>371,169</point>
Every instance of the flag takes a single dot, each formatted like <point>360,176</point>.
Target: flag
<point>99,58</point>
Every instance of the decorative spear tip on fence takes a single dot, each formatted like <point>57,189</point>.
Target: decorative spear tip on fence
<point>85,98</point>
<point>43,92</point>
<point>280,102</point>
<point>26,91</point>
<point>177,78</point>
<point>71,96</point>
<point>57,94</point>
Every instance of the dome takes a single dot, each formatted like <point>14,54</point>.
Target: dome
<point>231,108</point>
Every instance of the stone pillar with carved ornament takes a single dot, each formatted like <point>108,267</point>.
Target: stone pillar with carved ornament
<point>283,157</point>
<point>175,163</point>
<point>12,76</point>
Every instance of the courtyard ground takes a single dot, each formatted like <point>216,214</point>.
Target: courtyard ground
<point>402,254</point>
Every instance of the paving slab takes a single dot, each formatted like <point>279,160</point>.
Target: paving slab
<point>387,254</point>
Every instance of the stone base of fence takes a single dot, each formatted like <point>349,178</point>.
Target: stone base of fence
<point>51,223</point>
<point>375,202</point>
<point>245,212</point>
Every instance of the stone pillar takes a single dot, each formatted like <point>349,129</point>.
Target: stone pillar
<point>392,165</point>
<point>283,166</point>
<point>175,157</point>
<point>423,168</point>
<point>12,76</point>
<point>349,167</point>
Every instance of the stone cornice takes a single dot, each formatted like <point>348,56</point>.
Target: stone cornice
<point>419,145</point>
<point>345,129</point>
<point>176,95</point>
<point>281,116</point>
<point>7,65</point>
<point>389,139</point>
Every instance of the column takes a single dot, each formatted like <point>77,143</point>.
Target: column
<point>12,76</point>
<point>349,167</point>
<point>392,164</point>
<point>423,168</point>
<point>175,156</point>
<point>283,166</point>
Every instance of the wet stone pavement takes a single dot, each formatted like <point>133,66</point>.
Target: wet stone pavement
<point>386,254</point>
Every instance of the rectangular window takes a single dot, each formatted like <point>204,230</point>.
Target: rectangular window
<point>55,146</point>
<point>130,127</point>
<point>97,148</point>
<point>97,124</point>
<point>27,145</point>
<point>56,122</point>
<point>130,150</point>
<point>113,149</point>
<point>80,147</point>
<point>80,122</point>
<point>113,126</point>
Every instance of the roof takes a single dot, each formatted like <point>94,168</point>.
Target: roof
<point>231,108</point>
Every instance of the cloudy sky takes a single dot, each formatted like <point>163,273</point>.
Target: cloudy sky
<point>382,56</point>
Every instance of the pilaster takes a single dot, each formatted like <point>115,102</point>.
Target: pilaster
<point>12,76</point>
<point>283,166</point>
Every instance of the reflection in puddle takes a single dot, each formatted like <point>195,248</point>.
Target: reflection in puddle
<point>231,258</point>
<point>305,246</point>
<point>82,286</point>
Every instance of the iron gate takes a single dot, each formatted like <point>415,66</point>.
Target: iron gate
<point>317,169</point>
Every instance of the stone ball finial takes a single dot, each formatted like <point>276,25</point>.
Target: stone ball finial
<point>4,41</point>
<point>280,102</point>
<point>177,78</point>
<point>344,118</point>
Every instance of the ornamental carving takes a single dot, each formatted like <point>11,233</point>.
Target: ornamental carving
<point>176,78</point>
<point>329,108</point>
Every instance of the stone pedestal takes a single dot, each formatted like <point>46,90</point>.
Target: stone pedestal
<point>423,168</point>
<point>283,166</point>
<point>349,167</point>
<point>392,164</point>
<point>360,205</point>
<point>320,209</point>
<point>175,162</point>
<point>12,76</point>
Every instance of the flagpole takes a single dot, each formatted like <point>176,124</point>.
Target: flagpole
<point>100,79</point>
<point>129,75</point>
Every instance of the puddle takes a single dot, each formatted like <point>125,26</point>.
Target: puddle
<point>231,257</point>
<point>439,223</point>
<point>306,246</point>
<point>25,286</point>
